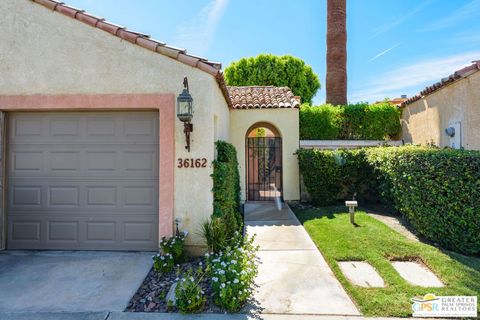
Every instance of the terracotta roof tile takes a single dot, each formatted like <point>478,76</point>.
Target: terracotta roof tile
<point>143,40</point>
<point>457,75</point>
<point>258,97</point>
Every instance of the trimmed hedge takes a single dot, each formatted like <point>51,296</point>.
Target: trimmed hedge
<point>438,190</point>
<point>226,187</point>
<point>359,121</point>
<point>332,176</point>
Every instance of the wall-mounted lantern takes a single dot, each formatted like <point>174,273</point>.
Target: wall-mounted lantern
<point>185,111</point>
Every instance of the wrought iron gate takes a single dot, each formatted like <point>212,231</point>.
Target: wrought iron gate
<point>264,168</point>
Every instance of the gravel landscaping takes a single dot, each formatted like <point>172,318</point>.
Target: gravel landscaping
<point>151,296</point>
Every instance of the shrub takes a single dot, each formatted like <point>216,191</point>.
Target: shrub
<point>213,232</point>
<point>232,273</point>
<point>163,263</point>
<point>322,122</point>
<point>174,246</point>
<point>334,175</point>
<point>436,189</point>
<point>190,297</point>
<point>359,121</point>
<point>226,188</point>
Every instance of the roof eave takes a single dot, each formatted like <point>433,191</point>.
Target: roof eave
<point>142,40</point>
<point>456,76</point>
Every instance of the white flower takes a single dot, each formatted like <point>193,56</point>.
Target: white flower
<point>202,292</point>
<point>235,281</point>
<point>222,285</point>
<point>221,272</point>
<point>233,262</point>
<point>189,301</point>
<point>214,279</point>
<point>207,254</point>
<point>200,263</point>
<point>176,279</point>
<point>191,279</point>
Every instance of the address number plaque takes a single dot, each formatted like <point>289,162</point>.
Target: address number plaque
<point>191,162</point>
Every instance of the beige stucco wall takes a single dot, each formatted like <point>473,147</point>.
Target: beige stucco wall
<point>287,123</point>
<point>425,120</point>
<point>45,52</point>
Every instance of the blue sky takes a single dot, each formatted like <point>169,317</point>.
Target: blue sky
<point>394,47</point>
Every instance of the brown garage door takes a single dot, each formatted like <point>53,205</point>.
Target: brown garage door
<point>83,181</point>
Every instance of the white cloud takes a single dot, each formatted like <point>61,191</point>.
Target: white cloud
<point>467,11</point>
<point>467,37</point>
<point>197,34</point>
<point>383,53</point>
<point>412,78</point>
<point>398,20</point>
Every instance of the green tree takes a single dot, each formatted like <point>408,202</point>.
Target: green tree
<point>270,70</point>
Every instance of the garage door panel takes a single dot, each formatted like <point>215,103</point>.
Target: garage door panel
<point>64,127</point>
<point>82,127</point>
<point>80,195</point>
<point>63,196</point>
<point>62,161</point>
<point>25,230</point>
<point>86,161</point>
<point>27,195</point>
<point>70,191</point>
<point>137,231</point>
<point>98,231</point>
<point>62,231</point>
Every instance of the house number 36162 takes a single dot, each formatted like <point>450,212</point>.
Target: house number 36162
<point>192,163</point>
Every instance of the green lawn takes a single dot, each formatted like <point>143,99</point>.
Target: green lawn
<point>376,243</point>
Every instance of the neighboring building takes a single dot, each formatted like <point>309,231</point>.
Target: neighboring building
<point>447,113</point>
<point>396,101</point>
<point>93,148</point>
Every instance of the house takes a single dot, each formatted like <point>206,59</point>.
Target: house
<point>396,101</point>
<point>93,154</point>
<point>446,113</point>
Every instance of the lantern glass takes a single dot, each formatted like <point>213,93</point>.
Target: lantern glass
<point>185,106</point>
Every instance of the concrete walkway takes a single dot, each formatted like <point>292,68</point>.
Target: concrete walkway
<point>293,276</point>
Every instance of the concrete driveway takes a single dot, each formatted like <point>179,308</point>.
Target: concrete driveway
<point>70,281</point>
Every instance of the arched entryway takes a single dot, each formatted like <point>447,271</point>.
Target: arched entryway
<point>263,150</point>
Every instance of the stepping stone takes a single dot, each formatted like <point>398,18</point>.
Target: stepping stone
<point>171,295</point>
<point>362,274</point>
<point>416,274</point>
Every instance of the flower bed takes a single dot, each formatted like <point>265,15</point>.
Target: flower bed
<point>152,294</point>
<point>218,282</point>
